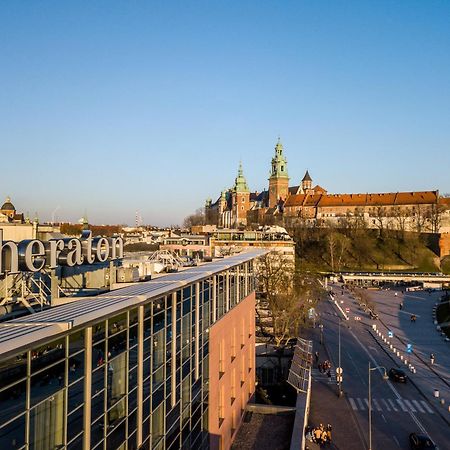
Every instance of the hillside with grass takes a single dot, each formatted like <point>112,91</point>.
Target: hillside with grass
<point>341,250</point>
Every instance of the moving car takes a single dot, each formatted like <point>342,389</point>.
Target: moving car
<point>421,441</point>
<point>397,375</point>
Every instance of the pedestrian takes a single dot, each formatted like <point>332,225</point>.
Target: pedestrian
<point>329,375</point>
<point>329,433</point>
<point>401,306</point>
<point>317,357</point>
<point>432,358</point>
<point>323,437</point>
<point>317,434</point>
<point>320,367</point>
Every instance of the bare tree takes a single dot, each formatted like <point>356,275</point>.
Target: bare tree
<point>401,218</point>
<point>331,244</point>
<point>420,214</point>
<point>435,216</point>
<point>380,214</point>
<point>289,294</point>
<point>198,218</point>
<point>343,244</point>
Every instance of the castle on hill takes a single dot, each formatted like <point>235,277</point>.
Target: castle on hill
<point>306,202</point>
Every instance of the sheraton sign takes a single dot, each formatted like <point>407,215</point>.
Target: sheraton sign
<point>32,255</point>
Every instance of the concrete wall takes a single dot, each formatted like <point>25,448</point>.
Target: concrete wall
<point>231,371</point>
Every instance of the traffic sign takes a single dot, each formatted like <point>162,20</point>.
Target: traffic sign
<point>409,348</point>
<point>339,370</point>
<point>390,334</point>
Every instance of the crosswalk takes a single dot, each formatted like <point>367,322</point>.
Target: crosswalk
<point>321,376</point>
<point>388,404</point>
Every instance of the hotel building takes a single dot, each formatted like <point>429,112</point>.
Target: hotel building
<point>164,364</point>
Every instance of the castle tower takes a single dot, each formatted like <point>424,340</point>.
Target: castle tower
<point>307,183</point>
<point>279,178</point>
<point>241,198</point>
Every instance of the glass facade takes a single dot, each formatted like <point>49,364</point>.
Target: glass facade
<point>132,378</point>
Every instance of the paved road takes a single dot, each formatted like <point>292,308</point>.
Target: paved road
<point>422,334</point>
<point>397,409</point>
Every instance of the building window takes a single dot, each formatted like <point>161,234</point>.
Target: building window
<point>47,423</point>
<point>233,344</point>
<point>221,358</point>
<point>221,406</point>
<point>157,424</point>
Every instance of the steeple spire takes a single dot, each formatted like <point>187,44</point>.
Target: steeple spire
<point>240,171</point>
<point>307,181</point>
<point>279,162</point>
<point>240,183</point>
<point>307,177</point>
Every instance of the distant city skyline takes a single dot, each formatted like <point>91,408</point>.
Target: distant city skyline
<point>111,108</point>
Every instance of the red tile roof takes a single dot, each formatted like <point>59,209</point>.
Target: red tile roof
<point>377,199</point>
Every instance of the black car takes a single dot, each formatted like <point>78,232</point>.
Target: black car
<point>397,375</point>
<point>421,441</point>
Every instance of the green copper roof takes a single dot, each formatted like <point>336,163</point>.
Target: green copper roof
<point>240,183</point>
<point>279,163</point>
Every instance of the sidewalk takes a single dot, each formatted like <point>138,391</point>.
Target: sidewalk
<point>327,408</point>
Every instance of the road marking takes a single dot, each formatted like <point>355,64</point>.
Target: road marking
<point>396,440</point>
<point>409,405</point>
<point>417,405</point>
<point>384,418</point>
<point>374,361</point>
<point>400,402</point>
<point>425,405</point>
<point>353,404</point>
<point>409,313</point>
<point>361,404</point>
<point>374,401</point>
<point>392,405</point>
<point>385,403</point>
<point>414,296</point>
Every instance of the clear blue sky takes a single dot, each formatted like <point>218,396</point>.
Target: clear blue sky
<point>118,106</point>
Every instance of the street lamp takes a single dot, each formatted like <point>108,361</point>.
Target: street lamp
<point>385,377</point>
<point>339,361</point>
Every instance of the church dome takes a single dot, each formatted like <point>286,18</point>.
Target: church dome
<point>8,206</point>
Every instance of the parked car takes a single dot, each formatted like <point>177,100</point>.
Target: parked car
<point>397,375</point>
<point>421,441</point>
